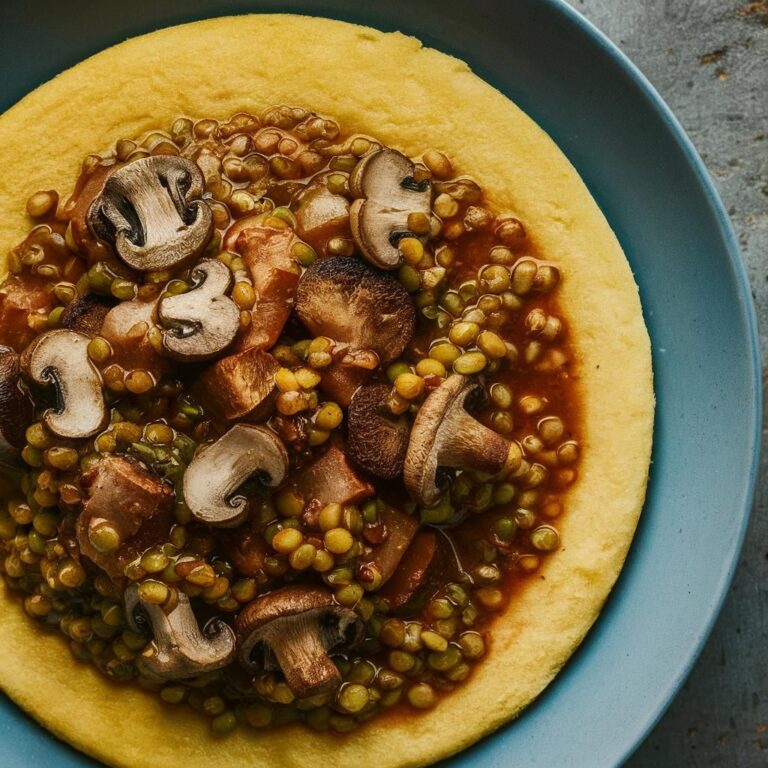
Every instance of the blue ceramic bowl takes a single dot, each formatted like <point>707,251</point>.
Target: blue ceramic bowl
<point>654,190</point>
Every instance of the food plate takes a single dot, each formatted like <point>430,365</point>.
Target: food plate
<point>657,197</point>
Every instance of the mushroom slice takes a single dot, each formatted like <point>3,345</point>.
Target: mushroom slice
<point>384,182</point>
<point>151,212</point>
<point>202,322</point>
<point>15,409</point>
<point>61,358</point>
<point>445,435</point>
<point>294,629</point>
<point>351,302</point>
<point>179,648</point>
<point>377,440</point>
<point>218,470</point>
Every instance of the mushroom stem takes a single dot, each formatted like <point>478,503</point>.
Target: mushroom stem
<point>179,648</point>
<point>472,443</point>
<point>299,650</point>
<point>445,435</point>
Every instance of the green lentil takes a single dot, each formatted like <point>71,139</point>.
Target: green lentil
<point>352,697</point>
<point>302,557</point>
<point>173,694</point>
<point>258,715</point>
<point>421,696</point>
<point>329,416</point>
<point>349,595</point>
<point>470,363</point>
<point>104,536</point>
<point>338,541</point>
<point>545,538</point>
<point>445,660</point>
<point>400,661</point>
<point>433,641</point>
<point>153,592</point>
<point>445,352</point>
<point>409,277</point>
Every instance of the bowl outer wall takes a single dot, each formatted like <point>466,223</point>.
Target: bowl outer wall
<point>655,192</point>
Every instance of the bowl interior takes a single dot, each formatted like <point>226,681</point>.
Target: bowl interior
<point>654,191</point>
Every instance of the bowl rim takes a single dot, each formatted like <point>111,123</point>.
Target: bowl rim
<point>665,696</point>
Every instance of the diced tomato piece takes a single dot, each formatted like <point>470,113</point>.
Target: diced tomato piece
<point>400,532</point>
<point>136,503</point>
<point>414,571</point>
<point>20,297</point>
<point>330,479</point>
<point>275,275</point>
<point>240,386</point>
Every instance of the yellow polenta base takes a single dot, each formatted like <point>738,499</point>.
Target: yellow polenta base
<point>412,98</point>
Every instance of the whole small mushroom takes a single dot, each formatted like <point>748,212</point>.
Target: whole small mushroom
<point>60,358</point>
<point>218,470</point>
<point>351,302</point>
<point>445,435</point>
<point>204,321</point>
<point>294,629</point>
<point>377,440</point>
<point>152,213</point>
<point>387,191</point>
<point>179,649</point>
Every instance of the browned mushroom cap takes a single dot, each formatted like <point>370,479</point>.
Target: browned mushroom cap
<point>384,182</point>
<point>15,407</point>
<point>179,649</point>
<point>445,435</point>
<point>218,470</point>
<point>87,313</point>
<point>347,300</point>
<point>60,358</point>
<point>151,212</point>
<point>202,322</point>
<point>377,440</point>
<point>293,629</point>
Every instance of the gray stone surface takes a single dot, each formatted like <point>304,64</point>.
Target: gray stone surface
<point>709,61</point>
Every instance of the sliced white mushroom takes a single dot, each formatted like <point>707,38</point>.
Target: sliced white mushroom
<point>217,472</point>
<point>151,212</point>
<point>179,648</point>
<point>388,193</point>
<point>204,321</point>
<point>60,359</point>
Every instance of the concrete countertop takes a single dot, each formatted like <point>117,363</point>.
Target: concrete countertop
<point>709,61</point>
